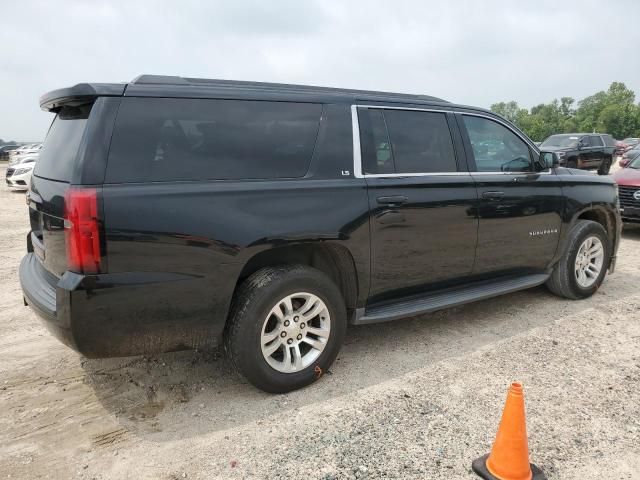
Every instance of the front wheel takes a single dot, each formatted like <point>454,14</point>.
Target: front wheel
<point>286,327</point>
<point>582,268</point>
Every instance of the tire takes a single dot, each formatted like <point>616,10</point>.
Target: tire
<point>605,166</point>
<point>572,164</point>
<point>254,317</point>
<point>564,280</point>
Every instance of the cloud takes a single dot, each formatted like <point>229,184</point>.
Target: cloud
<point>466,51</point>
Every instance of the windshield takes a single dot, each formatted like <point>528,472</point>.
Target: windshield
<point>635,163</point>
<point>561,141</point>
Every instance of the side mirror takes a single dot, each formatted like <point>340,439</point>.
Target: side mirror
<point>549,159</point>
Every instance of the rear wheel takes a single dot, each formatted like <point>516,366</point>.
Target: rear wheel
<point>286,327</point>
<point>605,166</point>
<point>582,268</point>
<point>572,164</point>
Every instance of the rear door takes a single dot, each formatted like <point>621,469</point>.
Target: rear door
<point>421,199</point>
<point>520,205</point>
<point>597,151</point>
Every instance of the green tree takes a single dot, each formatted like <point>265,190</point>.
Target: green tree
<point>612,111</point>
<point>509,110</point>
<point>619,120</point>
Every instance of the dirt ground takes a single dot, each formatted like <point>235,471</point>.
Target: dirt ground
<point>419,398</point>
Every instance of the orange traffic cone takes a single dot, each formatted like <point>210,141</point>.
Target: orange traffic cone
<point>509,457</point>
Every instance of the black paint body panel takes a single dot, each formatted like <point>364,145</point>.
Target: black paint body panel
<point>173,252</point>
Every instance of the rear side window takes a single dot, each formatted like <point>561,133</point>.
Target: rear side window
<point>60,150</point>
<point>608,140</point>
<point>165,139</point>
<point>406,141</point>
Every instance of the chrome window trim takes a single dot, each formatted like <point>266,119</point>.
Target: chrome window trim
<point>357,151</point>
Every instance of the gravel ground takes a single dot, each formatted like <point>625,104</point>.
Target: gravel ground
<point>419,398</point>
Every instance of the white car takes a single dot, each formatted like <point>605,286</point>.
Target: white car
<point>19,154</point>
<point>18,176</point>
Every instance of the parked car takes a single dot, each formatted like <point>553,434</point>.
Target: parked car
<point>586,151</point>
<point>5,149</point>
<point>17,151</point>
<point>629,155</point>
<point>620,148</point>
<point>23,152</point>
<point>187,213</point>
<point>18,176</point>
<point>631,142</point>
<point>628,180</point>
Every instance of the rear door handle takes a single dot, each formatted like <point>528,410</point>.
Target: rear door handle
<point>392,200</point>
<point>492,195</point>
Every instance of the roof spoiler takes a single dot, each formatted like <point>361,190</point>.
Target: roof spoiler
<point>79,94</point>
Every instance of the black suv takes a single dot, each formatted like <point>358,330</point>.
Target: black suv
<point>587,151</point>
<point>173,213</point>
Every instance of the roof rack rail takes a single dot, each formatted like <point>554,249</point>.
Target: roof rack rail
<point>211,82</point>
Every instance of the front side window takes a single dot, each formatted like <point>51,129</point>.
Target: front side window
<point>170,139</point>
<point>596,141</point>
<point>407,141</point>
<point>495,147</point>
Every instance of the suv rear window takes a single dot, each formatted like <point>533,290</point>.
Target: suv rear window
<point>166,139</point>
<point>60,150</point>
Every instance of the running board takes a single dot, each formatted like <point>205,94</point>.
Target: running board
<point>445,299</point>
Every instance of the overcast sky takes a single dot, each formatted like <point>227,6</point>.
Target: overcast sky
<point>471,52</point>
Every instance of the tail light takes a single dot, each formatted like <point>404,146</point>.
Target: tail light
<point>82,230</point>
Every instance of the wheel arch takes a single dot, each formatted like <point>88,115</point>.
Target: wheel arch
<point>602,216</point>
<point>336,261</point>
<point>599,214</point>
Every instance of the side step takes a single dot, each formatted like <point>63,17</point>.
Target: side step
<point>446,298</point>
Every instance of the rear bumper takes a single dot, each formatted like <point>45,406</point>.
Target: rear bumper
<point>50,301</point>
<point>115,315</point>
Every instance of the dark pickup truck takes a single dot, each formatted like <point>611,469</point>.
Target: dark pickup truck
<point>172,213</point>
<point>586,151</point>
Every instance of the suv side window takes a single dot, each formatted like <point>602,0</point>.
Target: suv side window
<point>608,140</point>
<point>596,141</point>
<point>407,141</point>
<point>376,146</point>
<point>169,139</point>
<point>495,147</point>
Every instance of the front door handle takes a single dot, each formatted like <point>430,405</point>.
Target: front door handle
<point>492,195</point>
<point>392,200</point>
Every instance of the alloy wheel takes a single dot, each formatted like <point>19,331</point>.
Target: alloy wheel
<point>295,332</point>
<point>589,261</point>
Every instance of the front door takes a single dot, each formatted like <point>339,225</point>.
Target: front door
<point>520,202</point>
<point>422,217</point>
